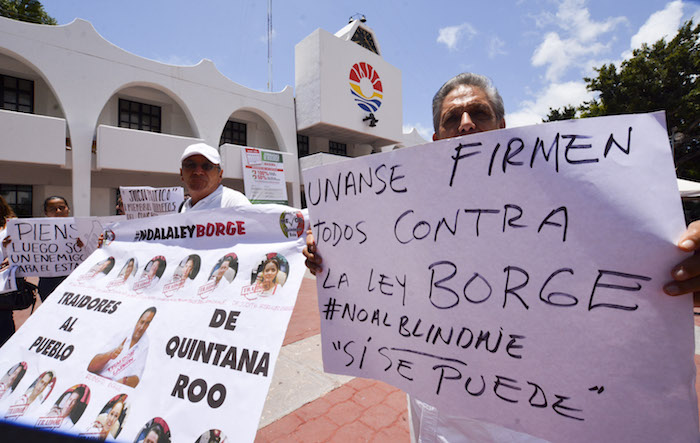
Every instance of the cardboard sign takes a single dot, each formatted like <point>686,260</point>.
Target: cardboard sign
<point>146,201</point>
<point>515,277</point>
<point>176,324</point>
<point>263,176</point>
<point>53,246</point>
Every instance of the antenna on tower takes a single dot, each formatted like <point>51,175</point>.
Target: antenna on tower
<point>269,45</point>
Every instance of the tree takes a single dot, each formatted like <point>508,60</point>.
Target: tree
<point>26,10</point>
<point>567,113</point>
<point>663,76</point>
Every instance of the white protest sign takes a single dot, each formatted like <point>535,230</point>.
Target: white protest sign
<point>263,176</point>
<point>177,320</point>
<point>8,283</point>
<point>49,247</point>
<point>515,277</point>
<point>146,201</point>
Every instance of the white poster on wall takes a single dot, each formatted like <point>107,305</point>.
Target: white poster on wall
<point>146,201</point>
<point>175,323</point>
<point>263,176</point>
<point>515,277</point>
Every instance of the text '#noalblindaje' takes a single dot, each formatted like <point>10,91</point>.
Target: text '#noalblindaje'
<point>217,229</point>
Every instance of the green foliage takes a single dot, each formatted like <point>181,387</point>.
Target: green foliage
<point>567,113</point>
<point>663,76</point>
<point>26,10</point>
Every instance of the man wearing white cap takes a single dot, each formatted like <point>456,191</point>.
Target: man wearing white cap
<point>200,169</point>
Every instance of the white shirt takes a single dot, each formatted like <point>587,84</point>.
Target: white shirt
<point>222,197</point>
<point>428,425</point>
<point>130,362</point>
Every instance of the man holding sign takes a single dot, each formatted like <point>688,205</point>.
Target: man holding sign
<point>201,171</point>
<point>469,104</point>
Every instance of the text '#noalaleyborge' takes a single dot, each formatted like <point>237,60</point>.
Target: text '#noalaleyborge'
<point>216,229</point>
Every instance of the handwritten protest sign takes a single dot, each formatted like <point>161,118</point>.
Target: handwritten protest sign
<point>49,247</point>
<point>263,176</point>
<point>146,201</point>
<point>175,324</point>
<point>515,277</point>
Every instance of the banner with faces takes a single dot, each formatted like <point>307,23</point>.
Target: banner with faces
<point>170,331</point>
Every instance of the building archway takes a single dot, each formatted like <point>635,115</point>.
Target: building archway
<point>148,107</point>
<point>251,127</point>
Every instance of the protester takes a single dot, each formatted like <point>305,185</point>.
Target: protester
<point>125,360</point>
<point>201,172</point>
<point>467,104</point>
<point>54,206</point>
<point>7,321</point>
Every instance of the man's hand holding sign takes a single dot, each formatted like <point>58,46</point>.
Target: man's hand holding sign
<point>513,277</point>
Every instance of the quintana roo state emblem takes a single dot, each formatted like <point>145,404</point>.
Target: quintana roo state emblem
<point>366,86</point>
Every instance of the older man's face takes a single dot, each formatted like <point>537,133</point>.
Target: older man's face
<point>201,176</point>
<point>466,110</point>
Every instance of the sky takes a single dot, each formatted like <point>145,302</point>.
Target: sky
<point>536,52</point>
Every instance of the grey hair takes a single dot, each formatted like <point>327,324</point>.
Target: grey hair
<point>469,79</point>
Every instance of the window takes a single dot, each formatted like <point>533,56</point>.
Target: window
<point>363,38</point>
<point>234,133</point>
<point>17,94</point>
<point>19,197</point>
<point>135,115</point>
<point>337,148</point>
<point>303,145</point>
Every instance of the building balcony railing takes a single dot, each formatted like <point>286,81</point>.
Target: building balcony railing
<point>31,138</point>
<point>319,159</point>
<point>134,150</point>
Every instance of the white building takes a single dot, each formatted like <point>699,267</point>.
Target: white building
<point>81,117</point>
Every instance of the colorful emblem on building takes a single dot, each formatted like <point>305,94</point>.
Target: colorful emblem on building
<point>366,86</point>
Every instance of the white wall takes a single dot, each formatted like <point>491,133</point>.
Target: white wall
<point>323,93</point>
<point>88,73</point>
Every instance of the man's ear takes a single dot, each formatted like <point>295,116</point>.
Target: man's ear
<point>221,174</point>
<point>502,125</point>
<point>181,177</point>
<point>435,137</point>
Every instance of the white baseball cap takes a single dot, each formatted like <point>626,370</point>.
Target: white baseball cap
<point>211,153</point>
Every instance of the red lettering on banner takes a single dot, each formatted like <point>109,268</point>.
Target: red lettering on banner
<point>219,229</point>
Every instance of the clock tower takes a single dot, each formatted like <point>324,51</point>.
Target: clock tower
<point>348,98</point>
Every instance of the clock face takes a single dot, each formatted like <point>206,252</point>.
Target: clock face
<point>364,39</point>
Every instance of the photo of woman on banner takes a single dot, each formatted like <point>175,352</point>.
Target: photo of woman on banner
<point>270,275</point>
<point>151,274</point>
<point>67,410</point>
<point>212,436</point>
<point>11,379</point>
<point>124,360</point>
<point>99,270</point>
<point>110,421</point>
<point>35,395</point>
<point>184,274</point>
<point>155,431</point>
